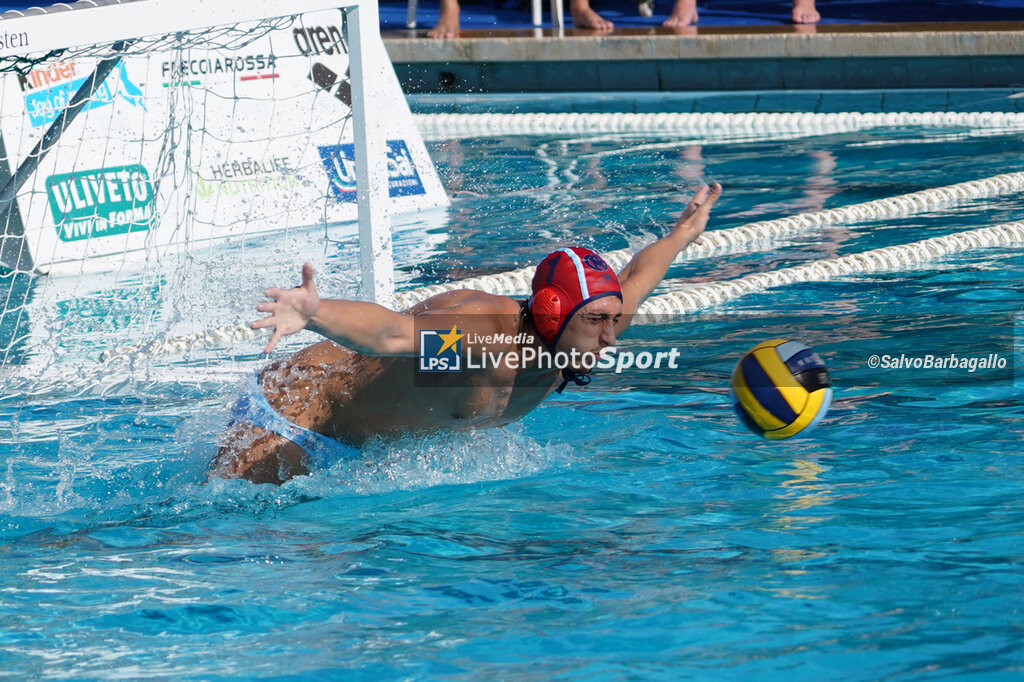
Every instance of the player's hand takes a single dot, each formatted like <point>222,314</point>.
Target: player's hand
<point>695,218</point>
<point>290,309</point>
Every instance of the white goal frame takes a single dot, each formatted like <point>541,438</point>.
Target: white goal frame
<point>90,22</point>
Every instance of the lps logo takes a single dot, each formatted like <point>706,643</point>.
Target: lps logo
<point>340,164</point>
<point>440,351</point>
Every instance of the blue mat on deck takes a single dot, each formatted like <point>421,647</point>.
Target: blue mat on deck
<point>484,14</point>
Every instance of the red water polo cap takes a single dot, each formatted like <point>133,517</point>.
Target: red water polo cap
<point>565,281</point>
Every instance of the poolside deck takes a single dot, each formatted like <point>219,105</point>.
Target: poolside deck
<point>763,54</point>
<point>716,58</point>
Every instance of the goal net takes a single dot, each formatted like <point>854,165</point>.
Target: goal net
<point>160,160</point>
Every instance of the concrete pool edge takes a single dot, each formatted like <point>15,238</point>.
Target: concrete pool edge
<point>892,56</point>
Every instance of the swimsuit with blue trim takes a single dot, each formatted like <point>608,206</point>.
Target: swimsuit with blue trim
<point>253,407</point>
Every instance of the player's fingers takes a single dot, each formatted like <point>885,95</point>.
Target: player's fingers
<point>263,323</point>
<point>714,192</point>
<point>710,196</point>
<point>700,196</point>
<point>274,338</point>
<point>272,292</point>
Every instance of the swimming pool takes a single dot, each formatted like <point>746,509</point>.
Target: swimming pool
<point>631,529</point>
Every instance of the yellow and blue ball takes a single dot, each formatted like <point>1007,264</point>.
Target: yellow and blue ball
<point>780,388</point>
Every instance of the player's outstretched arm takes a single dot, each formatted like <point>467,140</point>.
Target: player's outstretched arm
<point>362,326</point>
<point>648,267</point>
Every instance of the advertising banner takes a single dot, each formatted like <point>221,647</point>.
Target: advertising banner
<point>247,133</point>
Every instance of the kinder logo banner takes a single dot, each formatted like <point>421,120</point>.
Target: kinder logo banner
<point>101,202</point>
<point>44,105</point>
<point>47,74</point>
<point>340,163</point>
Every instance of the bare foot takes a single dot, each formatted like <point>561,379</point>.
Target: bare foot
<point>682,30</point>
<point>684,13</point>
<point>448,24</point>
<point>584,17</point>
<point>804,12</point>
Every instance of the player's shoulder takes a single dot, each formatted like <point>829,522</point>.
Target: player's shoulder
<point>469,301</point>
<point>471,311</point>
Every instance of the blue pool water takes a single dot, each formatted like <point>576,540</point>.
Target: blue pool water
<point>629,530</point>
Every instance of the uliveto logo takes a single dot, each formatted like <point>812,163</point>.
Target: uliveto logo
<point>100,202</point>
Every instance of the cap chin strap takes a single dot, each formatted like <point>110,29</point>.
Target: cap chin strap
<point>569,375</point>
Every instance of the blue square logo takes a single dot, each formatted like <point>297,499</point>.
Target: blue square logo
<point>440,350</point>
<point>340,163</point>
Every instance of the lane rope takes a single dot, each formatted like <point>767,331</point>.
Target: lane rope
<point>435,127</point>
<point>690,298</point>
<point>746,237</point>
<point>716,242</point>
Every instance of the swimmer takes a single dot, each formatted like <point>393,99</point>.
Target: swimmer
<point>321,403</point>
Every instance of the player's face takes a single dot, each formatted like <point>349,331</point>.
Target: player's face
<point>592,327</point>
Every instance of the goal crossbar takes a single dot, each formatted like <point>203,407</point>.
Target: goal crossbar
<point>91,22</point>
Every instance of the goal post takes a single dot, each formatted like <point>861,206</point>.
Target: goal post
<point>375,256</point>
